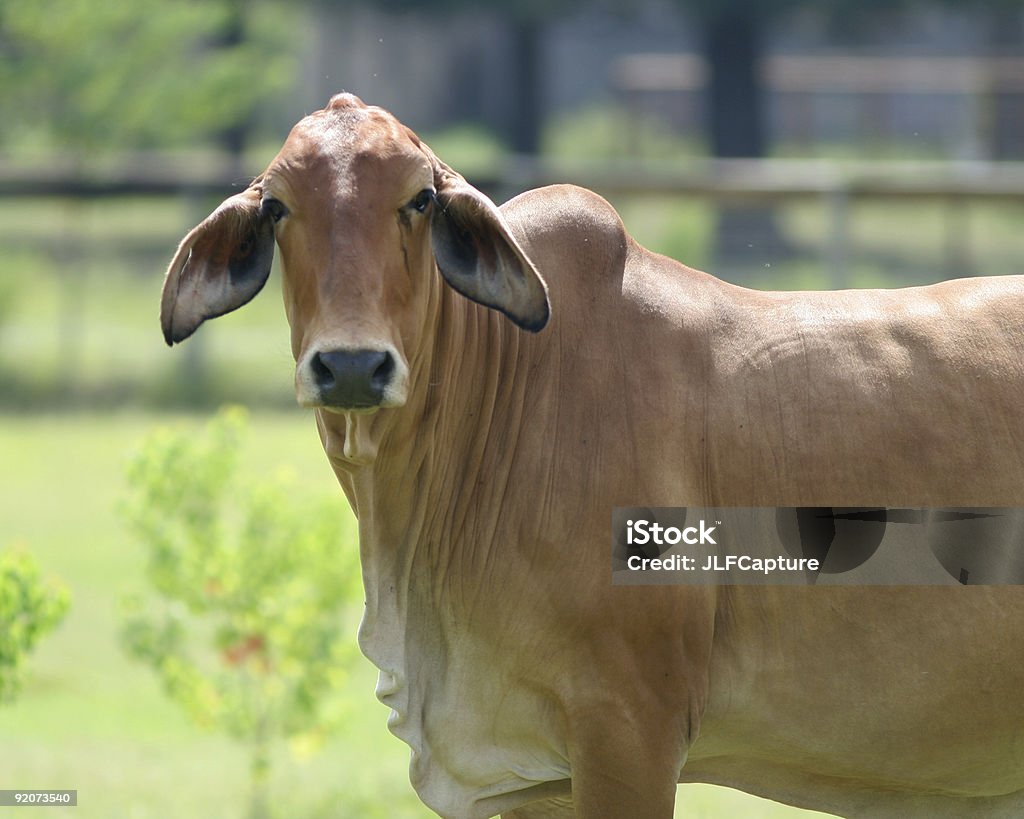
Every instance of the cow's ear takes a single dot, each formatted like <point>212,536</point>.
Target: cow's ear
<point>479,257</point>
<point>220,265</point>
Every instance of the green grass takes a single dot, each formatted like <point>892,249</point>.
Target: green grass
<point>91,719</point>
<point>674,226</point>
<point>79,314</point>
<point>894,243</point>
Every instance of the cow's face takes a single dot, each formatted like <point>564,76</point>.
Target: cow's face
<point>361,211</point>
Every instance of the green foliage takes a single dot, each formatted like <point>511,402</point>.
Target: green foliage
<point>248,631</point>
<point>610,132</point>
<point>99,74</point>
<point>30,606</point>
<point>8,296</point>
<point>470,148</point>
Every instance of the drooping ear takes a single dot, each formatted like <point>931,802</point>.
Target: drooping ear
<point>220,265</point>
<point>478,256</point>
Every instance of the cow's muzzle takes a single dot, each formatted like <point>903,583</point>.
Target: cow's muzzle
<point>347,379</point>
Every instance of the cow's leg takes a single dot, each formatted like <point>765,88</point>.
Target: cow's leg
<point>547,809</point>
<point>622,771</point>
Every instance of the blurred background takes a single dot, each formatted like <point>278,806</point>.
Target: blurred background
<point>774,143</point>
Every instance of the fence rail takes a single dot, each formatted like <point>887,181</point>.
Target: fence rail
<point>49,359</point>
<point>774,179</point>
<point>832,73</point>
<point>750,179</point>
<point>764,181</point>
<point>131,175</point>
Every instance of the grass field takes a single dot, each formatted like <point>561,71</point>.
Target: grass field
<point>90,719</point>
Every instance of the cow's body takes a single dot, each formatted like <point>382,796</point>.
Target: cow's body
<point>514,667</point>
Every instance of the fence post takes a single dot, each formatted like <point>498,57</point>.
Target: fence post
<point>73,261</point>
<point>958,238</point>
<point>837,202</point>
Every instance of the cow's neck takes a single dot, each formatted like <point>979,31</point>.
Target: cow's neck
<point>454,434</point>
<point>429,482</point>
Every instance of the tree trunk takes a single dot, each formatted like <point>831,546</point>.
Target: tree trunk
<point>526,121</point>
<point>232,138</point>
<point>747,238</point>
<point>1006,102</point>
<point>259,771</point>
<point>733,51</point>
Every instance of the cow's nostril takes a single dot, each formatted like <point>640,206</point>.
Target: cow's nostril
<point>381,377</point>
<point>322,374</point>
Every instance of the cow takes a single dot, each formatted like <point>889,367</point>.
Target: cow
<point>489,383</point>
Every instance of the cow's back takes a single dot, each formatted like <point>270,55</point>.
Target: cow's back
<point>858,397</point>
<point>875,397</point>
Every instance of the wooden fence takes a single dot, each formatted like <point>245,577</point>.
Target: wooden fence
<point>765,181</point>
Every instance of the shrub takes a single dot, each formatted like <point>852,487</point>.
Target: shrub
<point>246,624</point>
<point>30,606</point>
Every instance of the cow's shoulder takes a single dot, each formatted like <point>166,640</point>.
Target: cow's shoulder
<point>568,230</point>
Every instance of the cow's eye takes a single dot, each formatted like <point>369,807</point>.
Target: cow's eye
<point>421,201</point>
<point>274,209</point>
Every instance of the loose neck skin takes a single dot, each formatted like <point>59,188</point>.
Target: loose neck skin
<point>415,475</point>
<point>483,435</point>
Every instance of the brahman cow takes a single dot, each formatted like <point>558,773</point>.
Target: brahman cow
<point>489,383</point>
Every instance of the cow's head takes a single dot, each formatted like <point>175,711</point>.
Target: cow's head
<point>361,210</point>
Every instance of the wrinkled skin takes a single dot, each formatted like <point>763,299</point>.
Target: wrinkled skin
<point>483,445</point>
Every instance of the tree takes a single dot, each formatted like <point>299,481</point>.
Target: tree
<point>91,75</point>
<point>732,41</point>
<point>30,606</point>
<point>525,20</point>
<point>247,627</point>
